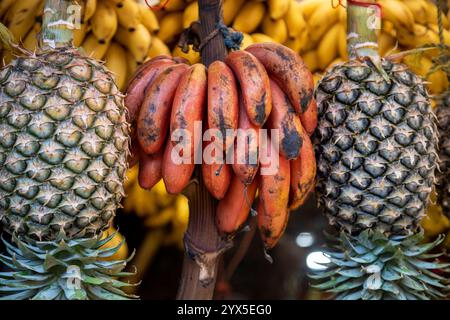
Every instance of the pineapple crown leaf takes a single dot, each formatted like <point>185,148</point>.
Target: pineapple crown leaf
<point>374,266</point>
<point>69,270</point>
<point>6,37</point>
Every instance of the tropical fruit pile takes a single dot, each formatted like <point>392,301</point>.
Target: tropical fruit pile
<point>267,86</point>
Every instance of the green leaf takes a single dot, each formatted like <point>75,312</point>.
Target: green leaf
<point>19,295</point>
<point>389,274</point>
<point>390,287</point>
<point>412,284</point>
<point>331,283</point>
<point>344,263</point>
<point>323,274</point>
<point>48,293</point>
<point>353,295</point>
<point>351,284</point>
<point>373,282</point>
<point>367,258</point>
<point>404,270</point>
<point>351,273</point>
<point>98,293</point>
<point>427,265</point>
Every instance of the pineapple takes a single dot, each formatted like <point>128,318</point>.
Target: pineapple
<point>376,159</point>
<point>63,148</point>
<point>443,116</point>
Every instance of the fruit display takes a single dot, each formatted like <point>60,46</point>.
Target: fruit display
<point>377,152</point>
<point>64,147</point>
<point>267,86</point>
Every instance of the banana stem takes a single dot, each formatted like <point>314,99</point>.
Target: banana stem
<point>363,20</point>
<point>60,17</point>
<point>203,243</point>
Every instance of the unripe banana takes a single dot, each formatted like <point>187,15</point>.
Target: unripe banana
<point>148,18</point>
<point>249,17</point>
<point>116,62</point>
<point>261,38</point>
<point>276,29</point>
<point>192,56</point>
<point>94,48</point>
<point>104,22</point>
<point>321,20</point>
<point>327,50</point>
<point>230,9</point>
<point>89,9</point>
<point>278,8</point>
<point>138,41</point>
<point>190,14</point>
<point>294,19</point>
<point>127,14</point>
<point>158,47</point>
<point>170,26</point>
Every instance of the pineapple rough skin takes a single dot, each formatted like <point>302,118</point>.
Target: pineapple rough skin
<point>443,175</point>
<point>376,148</point>
<point>63,146</point>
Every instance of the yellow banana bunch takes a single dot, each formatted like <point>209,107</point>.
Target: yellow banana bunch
<point>89,9</point>
<point>157,48</point>
<point>192,56</point>
<point>249,16</point>
<point>148,18</point>
<point>137,41</point>
<point>127,14</point>
<point>116,62</point>
<point>20,18</point>
<point>94,48</point>
<point>104,21</point>
<point>170,26</point>
<point>190,14</point>
<point>295,21</point>
<point>276,29</point>
<point>328,48</point>
<point>117,239</point>
<point>278,8</point>
<point>230,10</point>
<point>321,20</point>
<point>398,13</point>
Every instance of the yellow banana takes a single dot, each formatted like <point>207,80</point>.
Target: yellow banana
<point>321,20</point>
<point>308,7</point>
<point>343,14</point>
<point>386,43</point>
<point>295,21</point>
<point>5,5</point>
<point>420,36</point>
<point>162,197</point>
<point>418,9</point>
<point>138,41</point>
<point>148,18</point>
<point>249,17</point>
<point>192,56</point>
<point>276,29</point>
<point>89,9</point>
<point>174,5</point>
<point>388,27</point>
<point>327,50</point>
<point>128,14</point>
<point>342,41</point>
<point>170,26</point>
<point>421,66</point>
<point>116,62</point>
<point>132,176</point>
<point>278,8</point>
<point>157,48</point>
<point>445,33</point>
<point>432,15</point>
<point>398,13</point>
<point>309,44</point>
<point>31,42</point>
<point>311,60</point>
<point>161,219</point>
<point>230,9</point>
<point>261,38</point>
<point>22,19</point>
<point>122,253</point>
<point>132,65</point>
<point>93,48</point>
<point>80,33</point>
<point>316,77</point>
<point>104,22</point>
<point>190,14</point>
<point>246,41</point>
